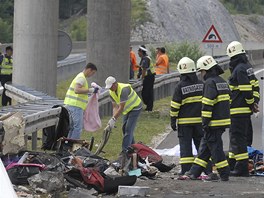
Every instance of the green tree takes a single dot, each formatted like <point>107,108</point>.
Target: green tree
<point>6,35</point>
<point>78,29</point>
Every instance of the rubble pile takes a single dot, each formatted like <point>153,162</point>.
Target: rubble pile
<point>74,170</point>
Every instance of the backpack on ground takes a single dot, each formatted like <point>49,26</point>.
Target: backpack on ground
<point>146,153</point>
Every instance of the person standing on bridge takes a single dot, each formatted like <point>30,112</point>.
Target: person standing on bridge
<point>215,119</point>
<point>186,107</point>
<point>125,101</point>
<point>6,63</point>
<point>76,100</point>
<point>244,99</point>
<point>162,63</point>
<point>133,63</point>
<point>147,74</point>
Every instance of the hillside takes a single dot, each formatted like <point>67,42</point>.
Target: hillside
<point>178,20</point>
<point>250,27</point>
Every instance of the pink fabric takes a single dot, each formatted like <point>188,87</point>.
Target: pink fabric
<point>91,120</point>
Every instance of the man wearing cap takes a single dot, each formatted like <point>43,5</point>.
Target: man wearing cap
<point>76,100</point>
<point>146,73</point>
<point>126,101</point>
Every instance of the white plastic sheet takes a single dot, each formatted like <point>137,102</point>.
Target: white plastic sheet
<point>6,187</point>
<point>175,151</point>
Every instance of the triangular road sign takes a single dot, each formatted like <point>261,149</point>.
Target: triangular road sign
<point>212,36</point>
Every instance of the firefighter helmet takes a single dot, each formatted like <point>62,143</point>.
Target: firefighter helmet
<point>205,63</point>
<point>234,48</point>
<point>186,65</point>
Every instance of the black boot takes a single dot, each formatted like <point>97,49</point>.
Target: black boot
<point>185,168</point>
<point>241,169</point>
<point>209,168</point>
<point>224,173</point>
<point>232,163</point>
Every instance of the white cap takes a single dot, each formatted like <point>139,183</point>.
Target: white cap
<point>109,82</point>
<point>143,49</point>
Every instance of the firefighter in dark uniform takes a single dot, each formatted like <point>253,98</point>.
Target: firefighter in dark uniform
<point>244,100</point>
<point>6,65</point>
<point>186,107</point>
<point>147,74</point>
<point>215,119</point>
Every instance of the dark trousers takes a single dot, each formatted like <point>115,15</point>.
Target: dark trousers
<point>147,91</point>
<point>131,73</point>
<point>238,141</point>
<point>238,135</point>
<point>211,146</point>
<point>5,99</point>
<point>250,133</point>
<point>186,134</point>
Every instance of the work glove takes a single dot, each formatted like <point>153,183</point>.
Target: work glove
<point>96,89</point>
<point>254,107</point>
<point>111,122</point>
<point>173,124</point>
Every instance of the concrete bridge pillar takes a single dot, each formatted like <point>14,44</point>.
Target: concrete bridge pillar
<point>35,44</point>
<point>108,38</point>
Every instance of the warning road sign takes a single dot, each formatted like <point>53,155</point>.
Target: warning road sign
<point>212,36</point>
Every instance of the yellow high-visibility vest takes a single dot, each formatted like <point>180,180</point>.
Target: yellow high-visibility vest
<point>7,66</point>
<point>132,101</point>
<point>73,99</point>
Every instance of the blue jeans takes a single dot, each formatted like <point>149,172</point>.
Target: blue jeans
<point>129,124</point>
<point>76,122</point>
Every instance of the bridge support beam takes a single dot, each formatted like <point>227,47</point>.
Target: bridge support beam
<point>108,38</point>
<point>35,44</point>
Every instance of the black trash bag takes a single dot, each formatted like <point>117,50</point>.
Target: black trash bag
<point>51,161</point>
<point>53,133</point>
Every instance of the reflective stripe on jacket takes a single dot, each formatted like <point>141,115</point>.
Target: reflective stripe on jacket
<point>186,103</point>
<point>245,90</point>
<point>216,103</point>
<point>73,99</point>
<point>132,101</point>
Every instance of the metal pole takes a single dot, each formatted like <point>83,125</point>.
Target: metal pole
<point>262,78</point>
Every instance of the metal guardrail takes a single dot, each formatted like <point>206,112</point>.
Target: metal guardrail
<point>36,108</point>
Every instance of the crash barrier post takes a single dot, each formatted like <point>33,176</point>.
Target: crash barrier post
<point>37,106</point>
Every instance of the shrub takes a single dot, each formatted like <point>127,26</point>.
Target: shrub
<point>78,29</point>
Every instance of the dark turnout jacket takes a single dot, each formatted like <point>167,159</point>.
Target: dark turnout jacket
<point>187,100</point>
<point>215,101</point>
<point>244,86</point>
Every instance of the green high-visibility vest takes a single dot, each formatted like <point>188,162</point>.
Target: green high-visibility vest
<point>132,101</point>
<point>77,100</point>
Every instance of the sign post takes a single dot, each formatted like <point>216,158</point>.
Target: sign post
<point>212,39</point>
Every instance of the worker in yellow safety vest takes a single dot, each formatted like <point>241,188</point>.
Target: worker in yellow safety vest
<point>125,101</point>
<point>6,65</point>
<point>76,100</point>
